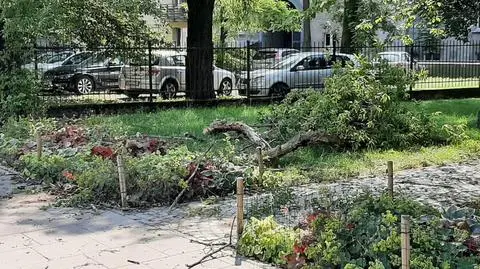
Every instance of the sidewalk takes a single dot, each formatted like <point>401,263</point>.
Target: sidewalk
<point>32,237</point>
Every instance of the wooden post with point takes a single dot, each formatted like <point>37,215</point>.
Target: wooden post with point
<point>240,193</point>
<point>122,181</point>
<point>405,233</point>
<point>390,178</point>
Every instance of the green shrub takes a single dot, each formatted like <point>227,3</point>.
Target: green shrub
<point>158,179</point>
<point>19,94</point>
<point>49,169</point>
<point>363,107</point>
<point>267,241</point>
<point>97,180</point>
<point>365,233</point>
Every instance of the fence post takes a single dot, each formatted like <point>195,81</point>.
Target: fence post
<point>411,66</point>
<point>240,192</point>
<point>39,144</point>
<point>405,232</point>
<point>390,178</point>
<point>334,47</point>
<point>248,69</point>
<point>260,164</point>
<point>122,181</point>
<point>150,79</point>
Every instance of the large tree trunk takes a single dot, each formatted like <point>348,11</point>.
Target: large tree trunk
<point>350,19</point>
<point>307,32</point>
<point>199,69</point>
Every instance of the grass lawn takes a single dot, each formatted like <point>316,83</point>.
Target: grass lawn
<point>320,164</point>
<point>439,83</point>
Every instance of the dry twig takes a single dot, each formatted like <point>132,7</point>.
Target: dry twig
<point>224,246</point>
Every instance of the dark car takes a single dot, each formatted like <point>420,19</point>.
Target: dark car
<point>84,73</point>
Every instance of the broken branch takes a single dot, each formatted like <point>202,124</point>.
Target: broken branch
<point>238,127</point>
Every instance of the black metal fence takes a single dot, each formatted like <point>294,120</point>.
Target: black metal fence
<point>76,75</point>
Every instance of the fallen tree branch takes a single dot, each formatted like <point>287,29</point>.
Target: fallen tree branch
<point>225,245</point>
<point>238,127</point>
<point>301,140</point>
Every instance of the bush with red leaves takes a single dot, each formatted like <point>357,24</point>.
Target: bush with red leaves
<point>104,152</point>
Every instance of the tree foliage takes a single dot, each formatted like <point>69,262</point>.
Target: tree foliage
<point>90,22</point>
<point>256,16</point>
<point>361,106</point>
<point>458,16</point>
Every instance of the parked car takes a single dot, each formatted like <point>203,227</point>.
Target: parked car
<point>398,58</point>
<point>47,61</point>
<point>302,70</point>
<point>85,72</point>
<point>168,76</point>
<point>265,58</point>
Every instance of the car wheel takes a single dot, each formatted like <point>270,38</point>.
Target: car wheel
<point>226,87</point>
<point>84,85</point>
<point>279,90</point>
<point>169,90</point>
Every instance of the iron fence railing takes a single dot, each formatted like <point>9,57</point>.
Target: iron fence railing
<point>151,73</point>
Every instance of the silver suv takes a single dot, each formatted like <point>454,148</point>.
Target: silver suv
<point>168,76</point>
<point>302,70</point>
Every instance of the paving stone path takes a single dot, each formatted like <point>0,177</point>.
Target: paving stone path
<point>5,183</point>
<point>38,238</point>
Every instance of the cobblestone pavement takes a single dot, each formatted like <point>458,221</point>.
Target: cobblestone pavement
<point>38,238</point>
<point>5,183</point>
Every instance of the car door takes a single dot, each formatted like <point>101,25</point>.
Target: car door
<point>178,63</point>
<point>111,72</point>
<point>311,72</point>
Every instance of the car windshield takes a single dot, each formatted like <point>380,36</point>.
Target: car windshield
<point>390,57</point>
<point>58,58</point>
<point>77,58</point>
<point>287,63</point>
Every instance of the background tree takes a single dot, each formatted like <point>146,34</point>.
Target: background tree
<point>307,31</point>
<point>231,17</point>
<point>457,16</point>
<point>199,68</point>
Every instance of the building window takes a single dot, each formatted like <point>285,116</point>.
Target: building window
<point>328,40</point>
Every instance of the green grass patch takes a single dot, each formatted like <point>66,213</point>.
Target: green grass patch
<point>320,164</point>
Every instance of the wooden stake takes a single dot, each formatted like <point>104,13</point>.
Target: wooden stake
<point>261,168</point>
<point>405,231</point>
<point>390,178</point>
<point>240,192</point>
<point>121,178</point>
<point>39,145</point>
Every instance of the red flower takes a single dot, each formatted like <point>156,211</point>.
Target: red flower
<point>69,176</point>
<point>350,226</point>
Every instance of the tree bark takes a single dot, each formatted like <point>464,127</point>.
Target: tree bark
<point>350,19</point>
<point>307,32</point>
<point>199,69</point>
<point>272,154</point>
<point>222,127</point>
<point>301,140</point>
